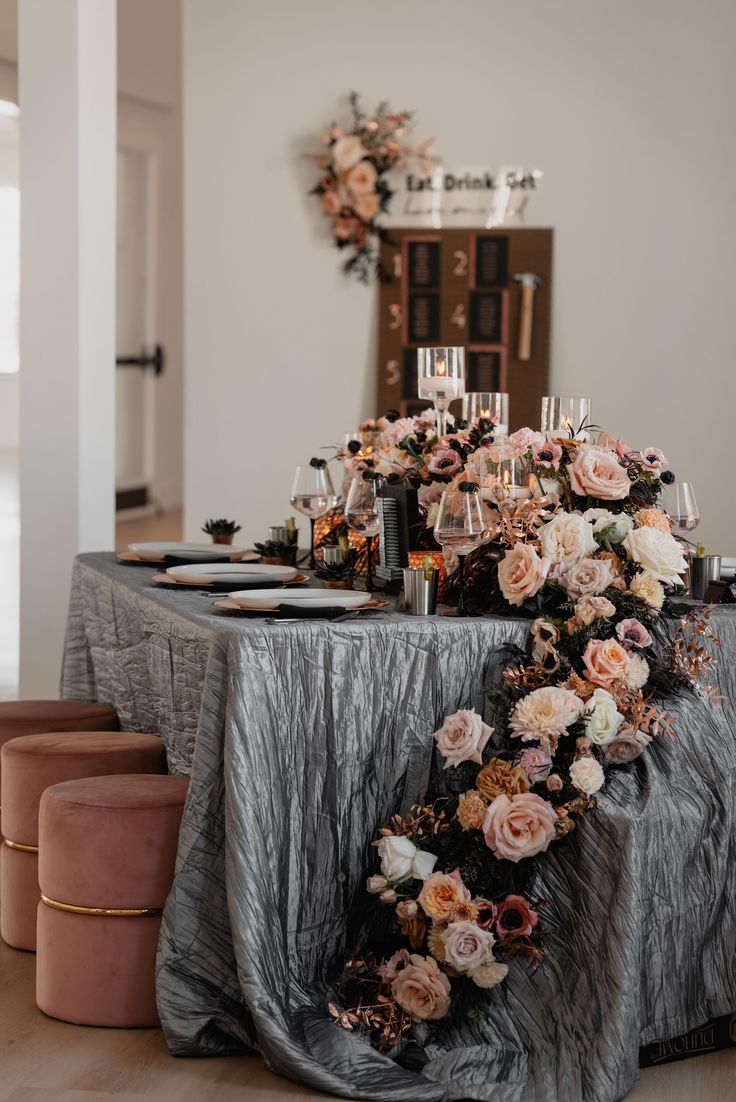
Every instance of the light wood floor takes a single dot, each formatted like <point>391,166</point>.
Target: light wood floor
<point>42,1060</point>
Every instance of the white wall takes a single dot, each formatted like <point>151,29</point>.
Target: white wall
<point>626,106</point>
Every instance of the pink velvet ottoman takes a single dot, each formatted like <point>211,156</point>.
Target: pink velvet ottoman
<point>107,849</point>
<point>36,717</point>
<point>31,764</point>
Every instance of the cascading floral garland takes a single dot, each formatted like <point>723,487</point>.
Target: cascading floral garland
<point>593,562</point>
<point>353,187</point>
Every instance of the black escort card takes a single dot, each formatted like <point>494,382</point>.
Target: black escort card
<point>483,372</point>
<point>716,1034</point>
<point>486,317</point>
<point>424,317</point>
<point>423,259</point>
<point>491,261</point>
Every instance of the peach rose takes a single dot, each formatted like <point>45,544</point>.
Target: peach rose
<point>597,473</point>
<point>331,202</point>
<point>361,180</point>
<point>367,207</point>
<point>605,661</point>
<point>522,573</point>
<point>441,894</point>
<point>422,990</point>
<point>519,827</point>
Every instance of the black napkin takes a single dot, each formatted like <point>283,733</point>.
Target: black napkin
<point>182,559</point>
<point>304,612</point>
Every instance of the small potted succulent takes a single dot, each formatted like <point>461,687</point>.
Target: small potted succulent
<point>221,530</point>
<point>337,569</point>
<point>276,552</point>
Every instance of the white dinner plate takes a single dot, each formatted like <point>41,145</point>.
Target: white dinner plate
<point>155,552</point>
<point>308,598</point>
<point>232,572</point>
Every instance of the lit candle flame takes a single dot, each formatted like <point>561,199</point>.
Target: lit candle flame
<point>440,365</point>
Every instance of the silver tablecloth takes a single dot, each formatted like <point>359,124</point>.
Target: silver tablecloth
<point>300,739</point>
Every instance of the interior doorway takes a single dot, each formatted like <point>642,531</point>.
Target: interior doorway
<point>136,329</point>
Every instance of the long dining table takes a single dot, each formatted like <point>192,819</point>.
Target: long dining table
<point>300,739</point>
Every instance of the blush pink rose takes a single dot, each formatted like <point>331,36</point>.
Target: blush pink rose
<point>422,990</point>
<point>522,573</point>
<point>467,946</point>
<point>605,661</point>
<point>462,737</point>
<point>627,745</point>
<point>596,473</point>
<point>587,578</point>
<point>520,826</point>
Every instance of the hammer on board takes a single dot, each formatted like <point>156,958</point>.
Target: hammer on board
<point>529,283</point>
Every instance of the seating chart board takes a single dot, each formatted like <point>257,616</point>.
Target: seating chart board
<point>467,287</point>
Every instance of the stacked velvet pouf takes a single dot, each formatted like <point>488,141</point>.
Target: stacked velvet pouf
<point>90,824</point>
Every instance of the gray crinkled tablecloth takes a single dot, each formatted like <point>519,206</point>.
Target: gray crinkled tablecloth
<point>300,740</point>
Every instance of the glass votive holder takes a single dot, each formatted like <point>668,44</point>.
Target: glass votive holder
<point>278,533</point>
<point>494,407</point>
<point>502,472</point>
<point>565,416</point>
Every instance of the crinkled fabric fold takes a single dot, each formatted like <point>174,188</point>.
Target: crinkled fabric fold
<point>300,740</point>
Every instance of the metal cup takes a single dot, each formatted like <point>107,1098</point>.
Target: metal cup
<point>420,593</point>
<point>278,533</point>
<point>332,556</point>
<point>704,570</point>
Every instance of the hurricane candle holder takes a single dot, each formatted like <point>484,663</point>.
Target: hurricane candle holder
<point>491,406</point>
<point>501,472</point>
<point>441,379</point>
<point>565,416</point>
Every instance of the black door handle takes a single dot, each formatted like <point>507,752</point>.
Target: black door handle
<point>155,360</point>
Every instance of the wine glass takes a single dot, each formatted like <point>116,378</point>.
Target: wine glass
<point>313,494</point>
<point>361,514</point>
<point>461,526</point>
<point>441,379</point>
<point>679,501</point>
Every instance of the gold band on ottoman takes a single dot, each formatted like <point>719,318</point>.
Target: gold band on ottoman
<point>19,846</point>
<point>107,912</point>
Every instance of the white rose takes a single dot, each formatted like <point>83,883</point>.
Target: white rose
<point>587,775</point>
<point>615,525</point>
<point>347,151</point>
<point>602,718</point>
<point>401,859</point>
<point>657,552</point>
<point>567,538</point>
<point>638,674</point>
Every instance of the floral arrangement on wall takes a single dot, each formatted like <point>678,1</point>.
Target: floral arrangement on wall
<point>591,560</point>
<point>352,185</point>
